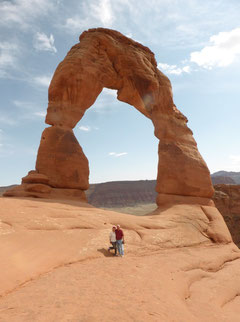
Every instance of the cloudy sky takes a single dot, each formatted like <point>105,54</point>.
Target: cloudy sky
<point>196,43</point>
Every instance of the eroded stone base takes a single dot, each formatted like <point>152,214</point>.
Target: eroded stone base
<point>167,199</point>
<point>39,190</point>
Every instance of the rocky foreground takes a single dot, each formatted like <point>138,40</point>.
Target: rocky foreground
<point>179,265</point>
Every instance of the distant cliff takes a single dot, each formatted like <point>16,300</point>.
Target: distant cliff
<point>226,177</point>
<point>3,189</point>
<point>122,193</point>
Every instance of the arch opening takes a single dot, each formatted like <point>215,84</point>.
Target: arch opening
<point>118,141</point>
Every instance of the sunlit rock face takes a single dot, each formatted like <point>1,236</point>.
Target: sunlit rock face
<point>106,58</point>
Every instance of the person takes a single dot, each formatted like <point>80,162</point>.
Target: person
<point>119,240</point>
<point>112,239</point>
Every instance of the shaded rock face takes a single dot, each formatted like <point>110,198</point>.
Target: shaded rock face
<point>106,58</point>
<point>227,200</point>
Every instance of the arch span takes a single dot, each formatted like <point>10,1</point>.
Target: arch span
<point>106,58</point>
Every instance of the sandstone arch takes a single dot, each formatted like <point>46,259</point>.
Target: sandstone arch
<point>106,58</point>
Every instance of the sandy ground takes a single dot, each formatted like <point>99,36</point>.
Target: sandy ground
<point>55,265</point>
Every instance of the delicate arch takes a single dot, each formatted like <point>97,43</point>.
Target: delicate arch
<point>106,58</point>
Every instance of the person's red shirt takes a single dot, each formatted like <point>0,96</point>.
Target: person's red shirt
<point>119,234</point>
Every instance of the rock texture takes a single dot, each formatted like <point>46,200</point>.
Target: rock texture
<point>106,58</point>
<point>179,265</point>
<point>227,200</point>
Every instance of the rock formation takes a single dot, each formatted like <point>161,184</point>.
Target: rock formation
<point>45,245</point>
<point>227,200</point>
<point>233,176</point>
<point>122,193</point>
<point>106,58</point>
<point>179,264</point>
<point>222,180</point>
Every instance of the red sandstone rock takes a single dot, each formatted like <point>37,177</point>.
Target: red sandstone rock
<point>189,173</point>
<point>45,191</point>
<point>170,262</point>
<point>38,187</point>
<point>34,177</point>
<point>26,190</point>
<point>62,160</point>
<point>227,200</point>
<point>106,58</point>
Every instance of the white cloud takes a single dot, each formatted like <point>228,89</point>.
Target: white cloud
<point>43,42</point>
<point>87,128</point>
<point>235,162</point>
<point>173,69</point>
<point>108,91</point>
<point>24,105</point>
<point>84,128</point>
<point>7,120</point>
<point>23,12</point>
<point>8,57</point>
<point>40,114</point>
<point>231,163</point>
<point>92,13</point>
<point>116,155</point>
<point>102,11</point>
<point>74,24</point>
<point>29,110</point>
<point>223,50</point>
<point>6,54</point>
<point>43,80</point>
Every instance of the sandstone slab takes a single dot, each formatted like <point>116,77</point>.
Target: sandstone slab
<point>171,261</point>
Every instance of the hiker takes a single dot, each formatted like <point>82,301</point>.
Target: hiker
<point>112,239</point>
<point>119,240</point>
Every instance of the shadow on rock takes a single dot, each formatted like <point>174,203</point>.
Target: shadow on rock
<point>105,252</point>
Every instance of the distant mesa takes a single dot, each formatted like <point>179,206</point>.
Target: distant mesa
<point>5,188</point>
<point>223,180</point>
<point>106,58</point>
<point>226,177</point>
<point>122,193</point>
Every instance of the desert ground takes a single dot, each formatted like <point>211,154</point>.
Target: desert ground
<point>180,262</point>
<point>55,265</point>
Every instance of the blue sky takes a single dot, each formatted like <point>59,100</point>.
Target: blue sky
<point>196,44</point>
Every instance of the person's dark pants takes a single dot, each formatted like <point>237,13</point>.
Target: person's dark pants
<point>114,246</point>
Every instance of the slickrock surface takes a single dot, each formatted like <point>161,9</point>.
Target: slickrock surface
<point>227,200</point>
<point>106,58</point>
<point>179,264</point>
